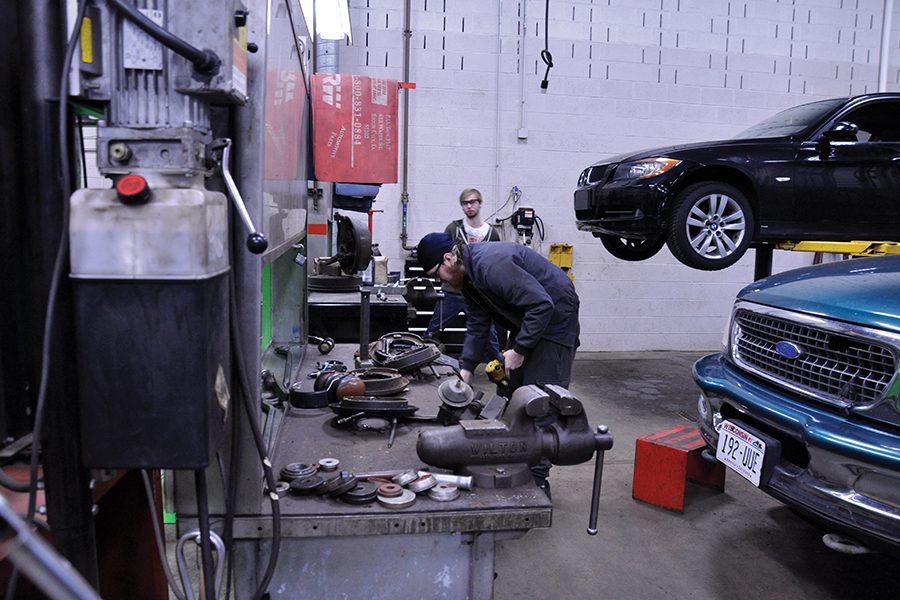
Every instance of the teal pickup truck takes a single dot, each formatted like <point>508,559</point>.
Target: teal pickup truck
<point>804,399</point>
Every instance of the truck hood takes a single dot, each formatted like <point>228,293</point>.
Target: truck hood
<point>864,291</point>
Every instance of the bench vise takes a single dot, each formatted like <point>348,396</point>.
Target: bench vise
<point>540,422</point>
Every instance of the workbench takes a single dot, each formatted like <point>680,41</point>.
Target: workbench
<point>331,549</point>
<point>336,315</point>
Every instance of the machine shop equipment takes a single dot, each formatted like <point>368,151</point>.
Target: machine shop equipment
<point>338,273</point>
<point>523,221</point>
<point>150,257</point>
<point>539,422</point>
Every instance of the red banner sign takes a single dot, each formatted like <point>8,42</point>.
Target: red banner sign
<point>355,128</point>
<point>284,110</point>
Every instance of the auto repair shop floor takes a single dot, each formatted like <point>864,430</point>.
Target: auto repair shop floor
<point>736,544</point>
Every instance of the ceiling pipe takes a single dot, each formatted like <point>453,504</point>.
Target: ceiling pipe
<point>885,45</point>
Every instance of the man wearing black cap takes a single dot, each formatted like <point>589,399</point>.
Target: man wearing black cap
<point>522,292</point>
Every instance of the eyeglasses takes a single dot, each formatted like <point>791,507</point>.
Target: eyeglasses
<point>470,202</point>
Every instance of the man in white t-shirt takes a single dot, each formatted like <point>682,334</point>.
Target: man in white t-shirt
<point>469,230</point>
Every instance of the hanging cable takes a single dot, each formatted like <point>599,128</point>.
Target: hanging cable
<point>545,53</point>
<point>13,485</point>
<point>245,400</point>
<point>234,458</point>
<point>204,61</point>
<point>157,534</point>
<point>55,278</point>
<point>514,194</point>
<point>84,176</point>
<point>206,562</point>
<point>59,262</point>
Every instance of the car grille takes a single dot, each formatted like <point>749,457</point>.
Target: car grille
<point>833,367</point>
<point>592,175</point>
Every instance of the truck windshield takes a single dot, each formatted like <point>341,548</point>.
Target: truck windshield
<point>791,121</point>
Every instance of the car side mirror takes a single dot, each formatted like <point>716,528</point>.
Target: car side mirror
<point>842,131</point>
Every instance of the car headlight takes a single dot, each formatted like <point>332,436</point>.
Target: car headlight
<point>584,177</point>
<point>644,169</point>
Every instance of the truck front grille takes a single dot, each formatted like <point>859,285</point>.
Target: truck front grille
<point>833,365</point>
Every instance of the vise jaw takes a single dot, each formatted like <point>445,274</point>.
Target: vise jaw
<point>540,422</point>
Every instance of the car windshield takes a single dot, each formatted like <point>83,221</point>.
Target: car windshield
<point>791,121</point>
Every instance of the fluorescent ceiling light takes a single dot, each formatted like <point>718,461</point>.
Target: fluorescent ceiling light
<point>332,18</point>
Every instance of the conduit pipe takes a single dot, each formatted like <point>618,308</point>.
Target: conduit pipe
<point>885,45</point>
<point>497,128</point>
<point>404,147</point>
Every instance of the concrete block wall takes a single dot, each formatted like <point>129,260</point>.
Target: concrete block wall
<point>627,75</point>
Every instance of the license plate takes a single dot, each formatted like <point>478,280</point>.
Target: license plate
<point>741,451</point>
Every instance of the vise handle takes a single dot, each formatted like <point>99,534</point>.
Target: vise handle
<point>603,441</point>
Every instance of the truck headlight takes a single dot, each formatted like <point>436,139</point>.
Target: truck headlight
<point>730,337</point>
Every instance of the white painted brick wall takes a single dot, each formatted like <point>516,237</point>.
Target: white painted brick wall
<point>628,74</point>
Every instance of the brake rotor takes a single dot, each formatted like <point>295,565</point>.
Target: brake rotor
<point>404,500</point>
<point>307,485</point>
<point>421,484</point>
<point>444,492</point>
<point>354,245</point>
<point>297,470</point>
<point>381,381</point>
<point>346,484</point>
<point>363,492</point>
<point>329,485</point>
<point>390,490</point>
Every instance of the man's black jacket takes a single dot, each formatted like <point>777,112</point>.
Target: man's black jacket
<point>522,291</point>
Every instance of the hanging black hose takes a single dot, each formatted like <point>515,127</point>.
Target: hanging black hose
<point>245,399</point>
<point>545,53</point>
<point>209,580</point>
<point>59,264</point>
<point>234,459</point>
<point>204,61</point>
<point>14,485</point>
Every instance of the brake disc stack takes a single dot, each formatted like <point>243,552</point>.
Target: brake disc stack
<point>392,489</point>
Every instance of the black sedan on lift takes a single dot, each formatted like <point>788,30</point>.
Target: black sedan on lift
<point>826,171</point>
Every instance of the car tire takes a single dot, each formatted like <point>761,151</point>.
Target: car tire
<point>628,249</point>
<point>711,226</point>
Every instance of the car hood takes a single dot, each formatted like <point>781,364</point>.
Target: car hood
<point>864,291</point>
<point>676,151</point>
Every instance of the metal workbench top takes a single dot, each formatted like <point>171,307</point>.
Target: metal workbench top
<point>307,435</point>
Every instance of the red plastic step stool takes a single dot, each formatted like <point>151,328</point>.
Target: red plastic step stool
<point>663,463</point>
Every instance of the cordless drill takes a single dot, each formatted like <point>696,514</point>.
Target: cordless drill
<point>497,374</point>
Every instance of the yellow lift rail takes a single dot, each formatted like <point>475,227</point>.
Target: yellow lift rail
<point>854,248</point>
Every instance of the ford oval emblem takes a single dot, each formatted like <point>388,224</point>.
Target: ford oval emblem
<point>789,350</point>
